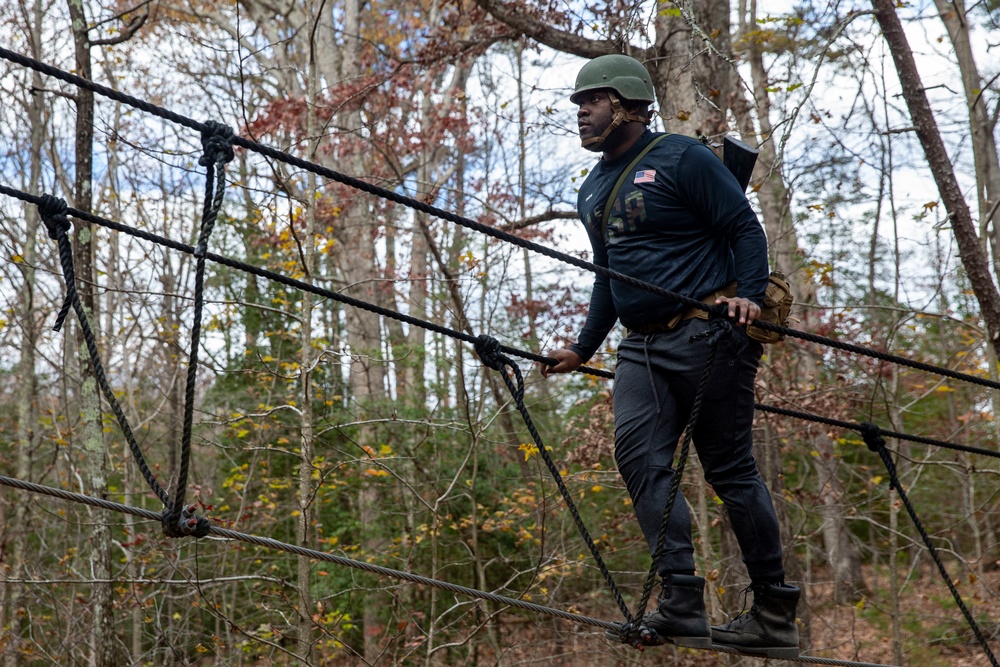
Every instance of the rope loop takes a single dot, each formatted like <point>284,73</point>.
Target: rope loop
<point>635,634</point>
<point>53,211</point>
<point>719,326</point>
<point>872,435</point>
<point>488,349</point>
<point>187,524</point>
<point>216,144</point>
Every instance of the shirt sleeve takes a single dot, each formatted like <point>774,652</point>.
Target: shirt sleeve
<point>714,194</point>
<point>601,316</point>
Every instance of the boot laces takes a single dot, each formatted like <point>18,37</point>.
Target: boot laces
<point>746,614</point>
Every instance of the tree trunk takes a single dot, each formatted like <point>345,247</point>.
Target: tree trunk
<point>357,236</point>
<point>984,147</point>
<point>11,615</point>
<point>303,522</point>
<point>689,67</point>
<point>773,197</point>
<point>102,639</point>
<point>969,249</point>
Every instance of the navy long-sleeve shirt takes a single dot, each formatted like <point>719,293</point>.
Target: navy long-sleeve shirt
<point>681,222</point>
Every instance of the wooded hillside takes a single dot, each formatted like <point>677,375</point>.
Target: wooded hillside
<point>362,433</point>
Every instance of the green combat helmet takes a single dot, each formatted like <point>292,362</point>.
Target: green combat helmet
<point>623,77</point>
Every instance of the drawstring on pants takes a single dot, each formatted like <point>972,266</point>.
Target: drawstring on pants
<point>649,370</point>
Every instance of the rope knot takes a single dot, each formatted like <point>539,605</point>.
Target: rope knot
<point>488,349</point>
<point>872,435</point>
<point>187,524</point>
<point>53,212</point>
<point>635,634</point>
<point>719,326</point>
<point>216,144</point>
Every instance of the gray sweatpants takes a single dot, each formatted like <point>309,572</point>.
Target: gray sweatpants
<point>655,383</point>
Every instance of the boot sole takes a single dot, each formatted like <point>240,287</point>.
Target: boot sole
<point>691,642</point>
<point>769,651</point>
<point>686,642</point>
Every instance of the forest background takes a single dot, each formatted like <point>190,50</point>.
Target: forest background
<point>343,431</point>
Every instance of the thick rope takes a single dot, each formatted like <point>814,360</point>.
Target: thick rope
<point>876,443</point>
<point>860,427</point>
<point>53,213</point>
<point>177,519</point>
<point>489,351</point>
<point>269,543</point>
<point>417,205</point>
<point>875,354</point>
<point>216,140</point>
<point>431,326</point>
<point>290,282</point>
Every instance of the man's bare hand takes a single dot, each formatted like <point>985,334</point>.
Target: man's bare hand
<point>741,310</point>
<point>568,360</point>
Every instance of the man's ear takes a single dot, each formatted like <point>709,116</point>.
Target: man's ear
<point>639,108</point>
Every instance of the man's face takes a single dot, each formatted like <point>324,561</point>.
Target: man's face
<point>594,115</point>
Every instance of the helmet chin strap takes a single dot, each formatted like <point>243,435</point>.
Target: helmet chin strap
<point>621,116</point>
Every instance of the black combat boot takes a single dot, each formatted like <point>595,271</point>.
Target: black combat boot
<point>680,617</point>
<point>768,627</point>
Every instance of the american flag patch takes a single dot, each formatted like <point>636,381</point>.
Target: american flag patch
<point>644,176</point>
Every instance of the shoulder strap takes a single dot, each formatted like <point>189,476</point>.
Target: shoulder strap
<point>621,180</point>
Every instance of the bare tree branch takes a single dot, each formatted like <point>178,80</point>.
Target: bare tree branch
<point>533,220</point>
<point>130,29</point>
<point>973,258</point>
<point>557,39</point>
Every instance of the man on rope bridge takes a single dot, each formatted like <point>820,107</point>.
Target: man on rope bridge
<point>663,208</point>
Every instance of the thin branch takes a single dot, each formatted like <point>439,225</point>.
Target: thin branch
<point>533,220</point>
<point>122,14</point>
<point>58,93</point>
<point>127,34</point>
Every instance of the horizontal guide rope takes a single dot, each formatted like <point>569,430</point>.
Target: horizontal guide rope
<point>337,296</point>
<point>270,275</point>
<point>277,545</point>
<point>854,426</point>
<point>410,202</point>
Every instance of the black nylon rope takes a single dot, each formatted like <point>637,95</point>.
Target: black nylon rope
<point>876,443</point>
<point>216,140</point>
<point>489,351</point>
<point>875,354</point>
<point>290,282</point>
<point>458,335</point>
<point>364,186</point>
<point>269,543</point>
<point>859,427</point>
<point>53,214</point>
